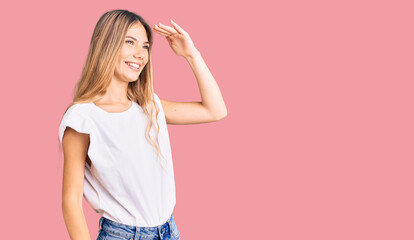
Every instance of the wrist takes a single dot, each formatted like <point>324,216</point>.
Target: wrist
<point>193,54</point>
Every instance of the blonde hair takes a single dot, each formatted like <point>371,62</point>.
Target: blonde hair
<point>104,52</point>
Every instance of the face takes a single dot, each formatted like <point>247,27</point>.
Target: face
<point>134,51</point>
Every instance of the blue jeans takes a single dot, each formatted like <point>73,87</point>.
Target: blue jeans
<point>110,230</point>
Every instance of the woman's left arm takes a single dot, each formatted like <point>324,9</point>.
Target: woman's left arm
<point>212,107</point>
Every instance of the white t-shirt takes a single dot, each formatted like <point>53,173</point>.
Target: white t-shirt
<point>125,182</point>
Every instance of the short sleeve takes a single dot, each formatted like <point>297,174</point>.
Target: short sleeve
<point>161,115</point>
<point>76,119</point>
<point>156,97</point>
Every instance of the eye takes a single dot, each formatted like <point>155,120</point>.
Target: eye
<point>130,42</point>
<point>146,47</point>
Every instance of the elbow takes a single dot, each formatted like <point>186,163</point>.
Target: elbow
<point>70,205</point>
<point>221,115</point>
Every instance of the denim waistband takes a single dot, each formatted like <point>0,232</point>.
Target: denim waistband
<point>134,232</point>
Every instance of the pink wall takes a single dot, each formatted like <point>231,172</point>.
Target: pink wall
<point>317,144</point>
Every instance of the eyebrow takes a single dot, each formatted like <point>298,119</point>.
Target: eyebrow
<point>135,39</point>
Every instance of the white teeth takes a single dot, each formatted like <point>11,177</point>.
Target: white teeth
<point>133,65</point>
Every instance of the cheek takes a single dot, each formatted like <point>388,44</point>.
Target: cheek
<point>126,52</point>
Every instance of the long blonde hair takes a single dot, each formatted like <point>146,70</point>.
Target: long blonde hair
<point>104,53</point>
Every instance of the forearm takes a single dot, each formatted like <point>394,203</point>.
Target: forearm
<point>75,222</point>
<point>209,89</point>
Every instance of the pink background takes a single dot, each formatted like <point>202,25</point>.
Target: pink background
<point>317,144</point>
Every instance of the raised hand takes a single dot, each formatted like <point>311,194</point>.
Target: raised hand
<point>179,40</point>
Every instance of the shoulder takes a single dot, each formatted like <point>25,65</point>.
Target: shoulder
<point>157,100</point>
<point>77,110</point>
<point>76,117</point>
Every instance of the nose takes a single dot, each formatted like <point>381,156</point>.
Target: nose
<point>139,53</point>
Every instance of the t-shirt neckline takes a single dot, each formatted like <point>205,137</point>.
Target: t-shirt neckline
<point>114,113</point>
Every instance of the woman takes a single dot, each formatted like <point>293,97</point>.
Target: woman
<point>114,134</point>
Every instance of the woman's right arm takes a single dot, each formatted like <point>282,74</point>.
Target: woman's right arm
<point>75,148</point>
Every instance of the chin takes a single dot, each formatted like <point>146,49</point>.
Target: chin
<point>133,79</point>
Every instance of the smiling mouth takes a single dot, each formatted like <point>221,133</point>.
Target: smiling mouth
<point>133,67</point>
